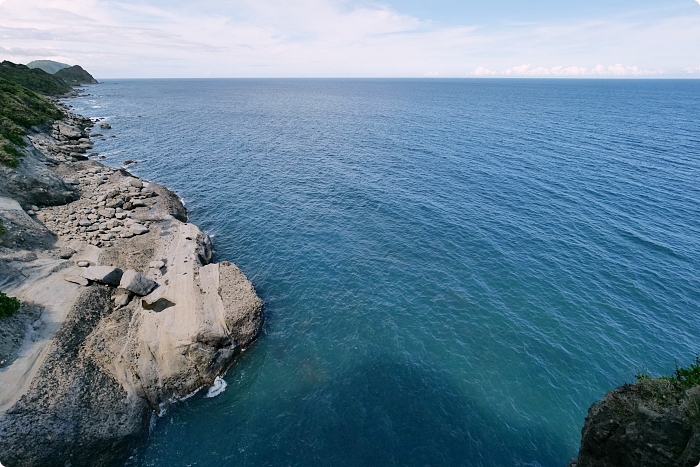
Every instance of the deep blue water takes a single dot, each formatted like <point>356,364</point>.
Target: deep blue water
<point>453,271</point>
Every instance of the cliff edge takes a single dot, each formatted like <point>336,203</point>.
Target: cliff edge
<point>654,422</point>
<point>123,313</point>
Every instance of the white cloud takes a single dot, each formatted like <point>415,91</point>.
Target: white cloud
<point>153,38</point>
<point>559,71</point>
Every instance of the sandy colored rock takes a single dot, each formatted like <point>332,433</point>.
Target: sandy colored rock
<point>83,392</point>
<point>76,279</point>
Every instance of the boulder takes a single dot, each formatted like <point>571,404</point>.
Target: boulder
<point>156,265</point>
<point>103,274</point>
<point>69,131</point>
<point>136,183</point>
<point>107,212</point>
<point>105,126</point>
<point>66,253</point>
<point>122,298</point>
<point>138,229</point>
<point>137,283</point>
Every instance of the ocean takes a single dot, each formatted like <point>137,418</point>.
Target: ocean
<point>453,271</point>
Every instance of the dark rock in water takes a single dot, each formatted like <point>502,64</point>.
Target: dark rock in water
<point>78,157</point>
<point>105,126</point>
<point>646,424</point>
<point>129,162</point>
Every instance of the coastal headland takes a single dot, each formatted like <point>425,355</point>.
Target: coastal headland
<point>123,311</point>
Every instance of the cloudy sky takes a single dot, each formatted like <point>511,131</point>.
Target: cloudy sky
<point>350,38</point>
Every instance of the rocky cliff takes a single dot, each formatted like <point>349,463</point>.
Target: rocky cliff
<point>125,312</point>
<point>654,422</point>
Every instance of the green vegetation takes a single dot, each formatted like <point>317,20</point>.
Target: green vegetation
<point>34,79</point>
<point>20,109</point>
<point>682,389</point>
<point>75,76</point>
<point>48,66</point>
<point>682,379</point>
<point>8,305</point>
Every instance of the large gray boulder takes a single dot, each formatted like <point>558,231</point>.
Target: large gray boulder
<point>70,131</point>
<point>104,275</point>
<point>137,283</point>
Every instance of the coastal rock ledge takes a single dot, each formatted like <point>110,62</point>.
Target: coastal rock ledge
<point>649,423</point>
<point>84,392</point>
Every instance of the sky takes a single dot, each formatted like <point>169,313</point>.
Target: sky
<point>357,38</point>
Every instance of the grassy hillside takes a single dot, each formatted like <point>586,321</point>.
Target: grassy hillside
<point>75,76</point>
<point>20,109</point>
<point>48,66</point>
<point>34,79</point>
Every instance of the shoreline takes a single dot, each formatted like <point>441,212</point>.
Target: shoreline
<point>133,313</point>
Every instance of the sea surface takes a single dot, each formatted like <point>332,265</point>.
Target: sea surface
<point>452,270</point>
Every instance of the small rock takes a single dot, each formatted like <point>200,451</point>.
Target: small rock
<point>103,274</point>
<point>76,279</point>
<point>66,253</point>
<point>122,298</point>
<point>106,237</point>
<point>34,208</point>
<point>72,181</point>
<point>137,283</point>
<point>156,265</point>
<point>105,126</point>
<point>138,229</point>
<point>136,183</point>
<point>83,264</point>
<point>107,212</point>
<point>31,213</point>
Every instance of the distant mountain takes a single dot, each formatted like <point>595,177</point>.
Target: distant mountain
<point>75,76</point>
<point>34,79</point>
<point>48,66</point>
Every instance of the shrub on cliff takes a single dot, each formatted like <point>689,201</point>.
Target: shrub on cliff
<point>20,109</point>
<point>8,305</point>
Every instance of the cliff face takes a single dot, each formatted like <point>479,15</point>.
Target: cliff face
<point>127,310</point>
<point>652,423</point>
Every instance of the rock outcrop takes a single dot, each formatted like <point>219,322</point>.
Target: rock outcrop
<point>647,424</point>
<point>145,317</point>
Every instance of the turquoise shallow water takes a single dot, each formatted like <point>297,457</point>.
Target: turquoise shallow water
<point>453,271</point>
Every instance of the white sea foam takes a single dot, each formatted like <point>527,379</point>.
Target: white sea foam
<point>217,388</point>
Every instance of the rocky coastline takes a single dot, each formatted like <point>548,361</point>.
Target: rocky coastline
<point>123,313</point>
